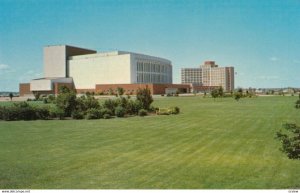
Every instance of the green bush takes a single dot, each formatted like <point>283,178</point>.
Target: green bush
<point>10,113</point>
<point>66,100</point>
<point>106,111</point>
<point>120,111</point>
<point>133,107</point>
<point>145,97</point>
<point>77,115</point>
<point>110,104</point>
<point>290,139</point>
<point>2,109</point>
<point>106,116</point>
<point>93,114</point>
<point>51,98</point>
<point>45,100</point>
<point>91,102</point>
<point>56,112</point>
<point>122,101</point>
<point>297,106</point>
<point>163,111</point>
<point>174,110</point>
<point>42,112</point>
<point>143,112</point>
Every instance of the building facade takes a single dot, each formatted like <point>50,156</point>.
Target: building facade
<point>83,69</point>
<point>209,75</point>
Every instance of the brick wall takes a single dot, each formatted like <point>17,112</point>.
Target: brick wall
<point>24,89</point>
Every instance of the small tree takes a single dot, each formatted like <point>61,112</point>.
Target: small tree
<point>66,100</point>
<point>239,94</point>
<point>214,93</point>
<point>144,97</point>
<point>120,91</point>
<point>220,92</point>
<point>11,95</point>
<point>36,95</point>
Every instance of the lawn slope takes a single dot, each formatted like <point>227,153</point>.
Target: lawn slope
<point>211,144</point>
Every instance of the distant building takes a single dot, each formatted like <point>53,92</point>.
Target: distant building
<point>209,75</point>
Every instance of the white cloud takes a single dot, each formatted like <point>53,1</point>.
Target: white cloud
<point>4,67</point>
<point>273,59</point>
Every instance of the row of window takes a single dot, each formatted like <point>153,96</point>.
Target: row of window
<point>152,67</point>
<point>152,78</point>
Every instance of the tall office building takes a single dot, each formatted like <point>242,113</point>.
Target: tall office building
<point>209,75</point>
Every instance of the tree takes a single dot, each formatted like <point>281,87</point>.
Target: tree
<point>11,95</point>
<point>238,94</point>
<point>36,95</point>
<point>66,100</point>
<point>120,91</point>
<point>221,91</point>
<point>290,139</point>
<point>217,92</point>
<point>214,93</point>
<point>144,97</point>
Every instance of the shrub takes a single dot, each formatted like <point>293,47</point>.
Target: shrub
<point>120,111</point>
<point>23,111</point>
<point>93,114</point>
<point>42,112</point>
<point>106,111</point>
<point>106,116</point>
<point>77,115</point>
<point>10,113</point>
<point>142,112</point>
<point>297,106</point>
<point>110,104</point>
<point>153,109</point>
<point>51,98</point>
<point>66,100</point>
<point>122,101</point>
<point>163,111</point>
<point>56,112</point>
<point>2,109</point>
<point>45,100</point>
<point>290,140</point>
<point>174,110</point>
<point>144,97</point>
<point>91,102</point>
<point>133,107</point>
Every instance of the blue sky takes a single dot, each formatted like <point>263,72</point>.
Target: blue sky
<point>261,39</point>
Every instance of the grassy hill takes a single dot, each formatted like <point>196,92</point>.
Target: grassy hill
<point>211,144</point>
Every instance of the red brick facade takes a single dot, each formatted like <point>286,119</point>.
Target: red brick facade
<point>128,88</point>
<point>132,88</point>
<point>24,88</point>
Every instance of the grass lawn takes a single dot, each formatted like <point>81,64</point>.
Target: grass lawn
<point>222,144</point>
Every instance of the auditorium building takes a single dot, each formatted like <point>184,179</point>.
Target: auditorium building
<point>86,70</point>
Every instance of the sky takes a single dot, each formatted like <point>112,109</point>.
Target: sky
<point>261,39</point>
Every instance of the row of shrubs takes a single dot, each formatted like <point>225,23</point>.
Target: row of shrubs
<point>67,104</point>
<point>24,111</point>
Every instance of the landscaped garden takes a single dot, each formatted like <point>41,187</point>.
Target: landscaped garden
<point>221,143</point>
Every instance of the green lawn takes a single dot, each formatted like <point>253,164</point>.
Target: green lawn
<point>222,144</point>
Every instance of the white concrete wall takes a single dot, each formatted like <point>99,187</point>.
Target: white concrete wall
<point>41,85</point>
<point>55,61</point>
<point>89,70</point>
